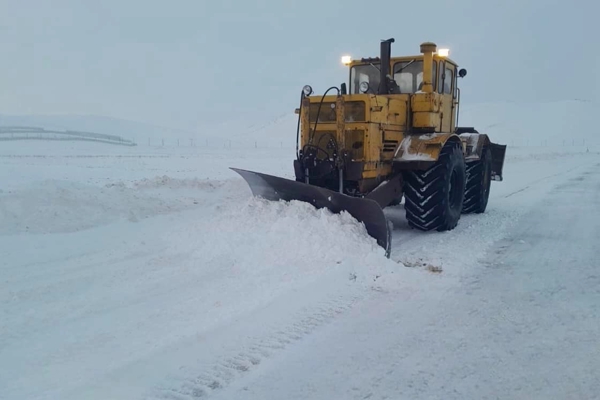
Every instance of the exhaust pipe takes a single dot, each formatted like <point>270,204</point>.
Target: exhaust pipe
<point>427,49</point>
<point>385,55</point>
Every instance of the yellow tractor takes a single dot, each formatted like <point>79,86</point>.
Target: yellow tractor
<point>393,134</point>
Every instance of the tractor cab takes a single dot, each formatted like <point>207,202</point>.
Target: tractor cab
<point>406,73</point>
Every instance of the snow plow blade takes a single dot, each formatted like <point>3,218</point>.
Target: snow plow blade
<point>364,210</point>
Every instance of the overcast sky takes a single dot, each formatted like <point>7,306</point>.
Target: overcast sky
<point>184,62</point>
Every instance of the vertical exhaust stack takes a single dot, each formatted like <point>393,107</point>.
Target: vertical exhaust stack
<point>428,49</point>
<point>385,55</point>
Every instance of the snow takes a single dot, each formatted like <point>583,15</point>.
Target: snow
<point>151,273</point>
<point>550,124</point>
<point>521,321</point>
<point>407,156</point>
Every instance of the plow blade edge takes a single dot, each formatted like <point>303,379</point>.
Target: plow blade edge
<point>364,210</point>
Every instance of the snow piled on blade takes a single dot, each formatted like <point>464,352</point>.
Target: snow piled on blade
<point>246,253</point>
<point>295,236</point>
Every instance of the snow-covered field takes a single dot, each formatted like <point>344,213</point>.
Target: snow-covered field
<point>149,272</point>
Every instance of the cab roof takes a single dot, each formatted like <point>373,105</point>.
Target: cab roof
<point>393,60</point>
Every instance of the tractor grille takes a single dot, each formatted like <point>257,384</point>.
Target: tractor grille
<point>326,141</point>
<point>326,114</point>
<point>389,145</point>
<point>355,111</point>
<point>355,141</point>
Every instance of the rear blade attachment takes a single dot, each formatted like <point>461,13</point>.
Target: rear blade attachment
<point>364,210</point>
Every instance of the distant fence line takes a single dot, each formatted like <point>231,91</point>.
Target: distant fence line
<point>226,143</point>
<point>8,133</point>
<point>35,133</point>
<point>569,142</point>
<point>246,143</point>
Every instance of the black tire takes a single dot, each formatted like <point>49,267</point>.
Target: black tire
<point>434,197</point>
<point>479,179</point>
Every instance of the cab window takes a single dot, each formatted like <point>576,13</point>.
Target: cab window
<point>409,75</point>
<point>445,78</point>
<point>364,73</point>
<point>448,79</point>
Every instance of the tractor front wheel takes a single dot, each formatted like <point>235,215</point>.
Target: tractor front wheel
<point>434,197</point>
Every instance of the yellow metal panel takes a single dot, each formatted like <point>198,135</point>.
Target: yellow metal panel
<point>305,122</point>
<point>432,138</point>
<point>427,49</point>
<point>373,143</point>
<point>425,102</point>
<point>446,113</point>
<point>426,120</point>
<point>355,143</point>
<point>374,171</point>
<point>397,113</point>
<point>355,111</point>
<point>423,147</point>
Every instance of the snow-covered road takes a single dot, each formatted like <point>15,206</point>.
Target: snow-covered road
<point>523,323</point>
<point>116,284</point>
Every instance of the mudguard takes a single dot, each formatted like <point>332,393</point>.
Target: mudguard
<point>498,155</point>
<point>364,210</point>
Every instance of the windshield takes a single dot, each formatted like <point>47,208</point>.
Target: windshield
<point>409,75</point>
<point>364,73</point>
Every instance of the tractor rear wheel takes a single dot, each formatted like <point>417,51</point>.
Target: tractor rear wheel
<point>434,197</point>
<point>479,179</point>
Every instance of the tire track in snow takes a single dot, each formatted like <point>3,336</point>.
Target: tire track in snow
<point>227,370</point>
<point>477,232</point>
<point>541,180</point>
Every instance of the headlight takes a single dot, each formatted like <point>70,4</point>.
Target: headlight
<point>363,87</point>
<point>307,90</point>
<point>346,60</point>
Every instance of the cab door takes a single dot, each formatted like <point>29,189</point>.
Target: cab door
<point>446,82</point>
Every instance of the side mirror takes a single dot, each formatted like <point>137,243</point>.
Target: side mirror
<point>462,72</point>
<point>343,88</point>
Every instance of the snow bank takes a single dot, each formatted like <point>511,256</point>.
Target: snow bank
<point>59,206</point>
